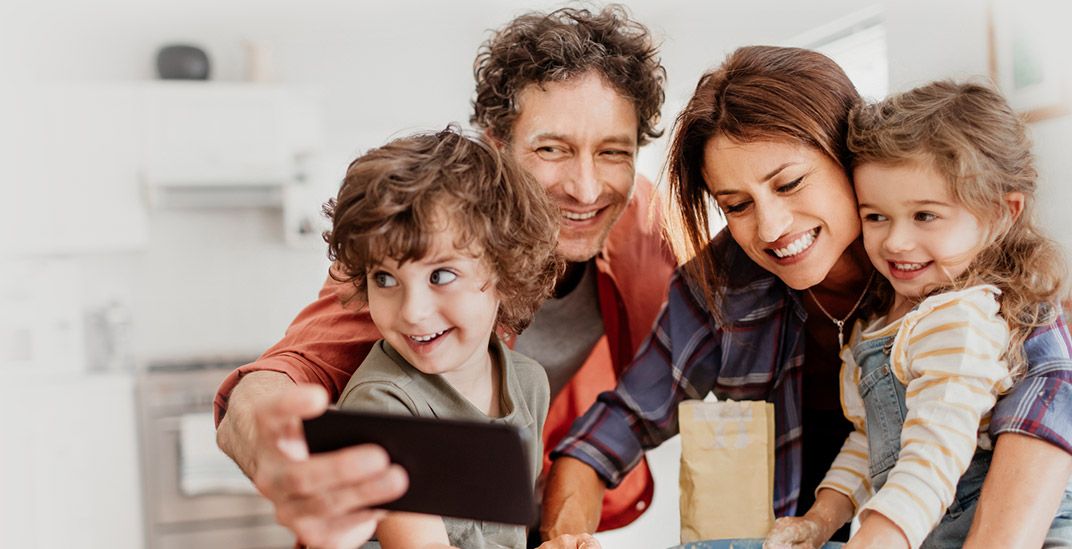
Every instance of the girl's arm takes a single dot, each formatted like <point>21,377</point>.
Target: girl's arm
<point>412,530</point>
<point>878,532</point>
<point>1021,493</point>
<point>830,511</point>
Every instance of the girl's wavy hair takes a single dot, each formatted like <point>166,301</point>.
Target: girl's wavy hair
<point>536,48</point>
<point>971,136</point>
<point>394,199</point>
<point>758,93</point>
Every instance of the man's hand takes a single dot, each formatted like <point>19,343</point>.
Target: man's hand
<point>573,500</point>
<point>569,541</point>
<point>324,499</point>
<point>793,533</point>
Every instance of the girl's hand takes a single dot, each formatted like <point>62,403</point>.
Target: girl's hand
<point>793,533</point>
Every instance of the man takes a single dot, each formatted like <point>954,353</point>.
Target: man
<point>571,96</point>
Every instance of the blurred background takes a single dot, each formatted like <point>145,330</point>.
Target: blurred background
<point>155,233</point>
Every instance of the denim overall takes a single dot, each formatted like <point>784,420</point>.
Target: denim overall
<point>884,401</point>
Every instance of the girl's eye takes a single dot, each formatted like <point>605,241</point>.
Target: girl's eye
<point>791,185</point>
<point>440,277</point>
<point>874,217</point>
<point>925,216</point>
<point>384,280</point>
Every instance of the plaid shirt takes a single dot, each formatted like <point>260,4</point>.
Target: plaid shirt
<point>758,354</point>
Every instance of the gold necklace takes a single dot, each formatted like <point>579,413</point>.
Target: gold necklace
<point>841,323</point>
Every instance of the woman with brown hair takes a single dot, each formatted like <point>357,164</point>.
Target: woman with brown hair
<point>759,312</point>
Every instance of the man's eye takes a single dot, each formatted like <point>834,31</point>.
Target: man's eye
<point>442,276</point>
<point>550,153</point>
<point>384,280</point>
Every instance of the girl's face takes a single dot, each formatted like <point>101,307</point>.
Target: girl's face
<point>789,206</point>
<point>438,312</point>
<point>916,233</point>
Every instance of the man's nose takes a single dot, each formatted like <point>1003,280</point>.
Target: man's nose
<point>582,184</point>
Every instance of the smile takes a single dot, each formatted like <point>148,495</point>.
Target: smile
<point>575,216</point>
<point>797,246</point>
<point>908,267</point>
<point>427,338</point>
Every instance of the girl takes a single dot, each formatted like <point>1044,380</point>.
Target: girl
<point>945,183</point>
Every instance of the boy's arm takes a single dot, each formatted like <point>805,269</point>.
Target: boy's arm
<point>412,530</point>
<point>1022,490</point>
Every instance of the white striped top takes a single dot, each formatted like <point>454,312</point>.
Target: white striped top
<point>947,353</point>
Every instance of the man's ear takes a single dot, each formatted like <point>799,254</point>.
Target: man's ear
<point>1015,202</point>
<point>495,141</point>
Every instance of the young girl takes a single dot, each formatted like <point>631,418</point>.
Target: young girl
<point>945,183</point>
<point>446,242</point>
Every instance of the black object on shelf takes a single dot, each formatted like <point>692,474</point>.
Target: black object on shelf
<point>182,62</point>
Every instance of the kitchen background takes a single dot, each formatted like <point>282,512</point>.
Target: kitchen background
<point>152,234</point>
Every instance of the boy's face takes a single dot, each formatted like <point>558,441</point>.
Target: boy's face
<point>915,232</point>
<point>578,138</point>
<point>438,312</point>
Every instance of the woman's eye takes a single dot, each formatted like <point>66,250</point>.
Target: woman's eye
<point>736,208</point>
<point>442,276</point>
<point>384,280</point>
<point>925,216</point>
<point>791,185</point>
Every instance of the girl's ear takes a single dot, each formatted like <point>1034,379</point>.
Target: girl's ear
<point>1015,202</point>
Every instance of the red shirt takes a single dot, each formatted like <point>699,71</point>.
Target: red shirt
<point>327,341</point>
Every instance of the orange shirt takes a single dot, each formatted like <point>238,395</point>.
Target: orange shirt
<point>327,340</point>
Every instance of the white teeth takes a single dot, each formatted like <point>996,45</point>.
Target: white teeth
<point>573,216</point>
<point>798,245</point>
<point>427,338</point>
<point>909,266</point>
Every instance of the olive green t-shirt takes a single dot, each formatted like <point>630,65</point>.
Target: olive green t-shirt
<point>385,382</point>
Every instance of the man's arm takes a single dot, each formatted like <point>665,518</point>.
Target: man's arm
<point>324,499</point>
<point>1020,495</point>
<point>573,499</point>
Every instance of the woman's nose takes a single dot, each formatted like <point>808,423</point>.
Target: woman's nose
<point>772,221</point>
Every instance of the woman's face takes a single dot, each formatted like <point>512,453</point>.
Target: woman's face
<point>789,206</point>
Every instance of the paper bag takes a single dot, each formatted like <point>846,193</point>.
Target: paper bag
<point>727,469</point>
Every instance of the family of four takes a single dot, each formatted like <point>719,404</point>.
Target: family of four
<point>881,280</point>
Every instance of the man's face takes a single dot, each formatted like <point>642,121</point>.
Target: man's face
<point>578,138</point>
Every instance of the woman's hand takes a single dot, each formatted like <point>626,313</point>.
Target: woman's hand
<point>794,533</point>
<point>570,541</point>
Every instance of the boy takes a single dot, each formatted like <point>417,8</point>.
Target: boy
<point>447,243</point>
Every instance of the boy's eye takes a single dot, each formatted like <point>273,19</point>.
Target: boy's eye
<point>440,277</point>
<point>791,185</point>
<point>384,280</point>
<point>925,216</point>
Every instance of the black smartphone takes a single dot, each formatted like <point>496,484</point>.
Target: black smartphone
<point>463,469</point>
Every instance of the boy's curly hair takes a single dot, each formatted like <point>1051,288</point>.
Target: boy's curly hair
<point>971,136</point>
<point>536,48</point>
<point>394,198</point>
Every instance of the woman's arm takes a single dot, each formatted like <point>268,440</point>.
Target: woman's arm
<point>1021,492</point>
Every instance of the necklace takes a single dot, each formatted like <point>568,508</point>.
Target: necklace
<point>841,323</point>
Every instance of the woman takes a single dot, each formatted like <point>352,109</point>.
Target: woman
<point>761,311</point>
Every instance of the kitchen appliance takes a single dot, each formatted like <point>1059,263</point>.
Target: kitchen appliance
<point>190,498</point>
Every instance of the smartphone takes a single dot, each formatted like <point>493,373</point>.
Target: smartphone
<point>472,470</point>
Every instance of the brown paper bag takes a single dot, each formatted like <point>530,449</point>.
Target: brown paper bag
<point>727,469</point>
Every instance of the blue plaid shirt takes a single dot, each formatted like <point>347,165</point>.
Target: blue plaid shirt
<point>758,354</point>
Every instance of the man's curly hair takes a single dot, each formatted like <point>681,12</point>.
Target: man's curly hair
<point>536,48</point>
<point>395,199</point>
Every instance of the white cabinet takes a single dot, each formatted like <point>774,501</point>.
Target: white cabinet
<point>69,472</point>
<point>70,161</point>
